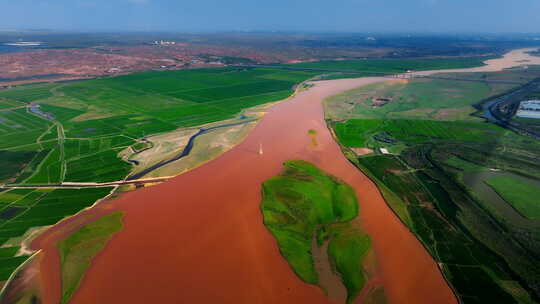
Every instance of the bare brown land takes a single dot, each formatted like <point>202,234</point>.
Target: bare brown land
<point>104,61</point>
<point>71,64</point>
<point>362,151</point>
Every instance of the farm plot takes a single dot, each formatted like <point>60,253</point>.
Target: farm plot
<point>23,209</point>
<point>428,209</point>
<point>99,167</point>
<point>9,104</point>
<point>359,132</point>
<point>434,99</point>
<point>13,162</point>
<point>190,95</point>
<point>396,65</point>
<point>90,122</point>
<point>521,195</point>
<point>28,93</point>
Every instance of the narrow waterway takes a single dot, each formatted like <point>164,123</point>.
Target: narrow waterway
<point>200,238</point>
<point>187,149</point>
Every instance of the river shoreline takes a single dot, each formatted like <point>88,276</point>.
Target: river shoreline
<point>213,244</point>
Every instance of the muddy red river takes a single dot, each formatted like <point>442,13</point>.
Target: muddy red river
<point>200,238</point>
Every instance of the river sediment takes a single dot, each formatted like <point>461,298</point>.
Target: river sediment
<point>200,238</point>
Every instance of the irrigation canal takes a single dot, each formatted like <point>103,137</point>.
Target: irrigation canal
<point>187,149</point>
<point>137,178</point>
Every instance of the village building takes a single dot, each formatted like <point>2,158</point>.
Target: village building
<point>529,109</point>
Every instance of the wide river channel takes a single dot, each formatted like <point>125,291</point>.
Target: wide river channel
<point>200,238</point>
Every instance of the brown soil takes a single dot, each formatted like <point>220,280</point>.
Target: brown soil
<point>105,61</point>
<point>362,151</point>
<point>200,238</point>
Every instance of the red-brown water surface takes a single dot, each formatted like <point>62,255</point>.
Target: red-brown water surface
<point>199,238</point>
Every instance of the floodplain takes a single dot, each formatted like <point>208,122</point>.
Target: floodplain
<point>464,186</point>
<point>93,121</point>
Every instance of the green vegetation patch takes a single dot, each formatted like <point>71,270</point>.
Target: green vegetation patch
<point>50,169</point>
<point>346,249</point>
<point>429,210</point>
<point>366,132</point>
<point>523,196</point>
<point>437,99</point>
<point>78,250</point>
<point>91,121</point>
<point>61,113</point>
<point>23,209</point>
<point>484,234</point>
<point>96,168</point>
<point>305,206</point>
<point>28,93</point>
<point>396,65</point>
<point>13,162</point>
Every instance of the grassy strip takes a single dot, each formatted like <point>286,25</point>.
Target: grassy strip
<point>346,250</point>
<point>521,195</point>
<point>78,250</point>
<point>303,202</point>
<point>396,65</point>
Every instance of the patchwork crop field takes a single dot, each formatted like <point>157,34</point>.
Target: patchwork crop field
<point>78,129</point>
<point>463,186</point>
<point>23,209</point>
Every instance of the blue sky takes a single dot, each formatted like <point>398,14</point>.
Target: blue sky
<point>295,15</point>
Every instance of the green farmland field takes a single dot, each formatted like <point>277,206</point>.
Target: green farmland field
<point>429,210</point>
<point>92,121</point>
<point>133,106</point>
<point>523,196</point>
<point>395,65</point>
<point>486,249</point>
<point>435,99</point>
<point>27,93</point>
<point>23,209</point>
<point>360,132</point>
